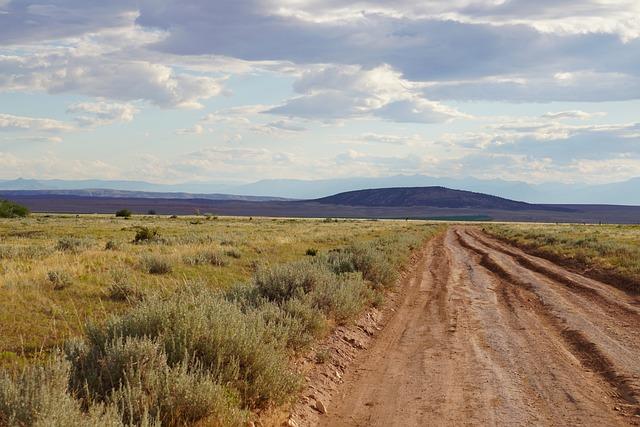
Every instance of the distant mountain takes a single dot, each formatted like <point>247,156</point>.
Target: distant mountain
<point>103,192</point>
<point>621,193</point>
<point>434,197</point>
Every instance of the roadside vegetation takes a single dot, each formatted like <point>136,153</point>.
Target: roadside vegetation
<point>196,325</point>
<point>605,252</point>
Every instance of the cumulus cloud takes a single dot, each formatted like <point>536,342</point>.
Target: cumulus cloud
<point>102,113</point>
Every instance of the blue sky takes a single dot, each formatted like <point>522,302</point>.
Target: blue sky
<point>169,91</point>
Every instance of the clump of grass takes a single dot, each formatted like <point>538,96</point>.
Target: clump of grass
<point>205,257</point>
<point>72,244</point>
<point>112,245</point>
<point>60,279</point>
<point>311,252</point>
<point>233,253</point>
<point>121,289</point>
<point>155,264</point>
<point>37,396</point>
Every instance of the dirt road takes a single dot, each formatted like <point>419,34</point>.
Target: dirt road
<point>488,335</point>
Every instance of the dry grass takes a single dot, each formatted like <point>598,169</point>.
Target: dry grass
<point>606,252</point>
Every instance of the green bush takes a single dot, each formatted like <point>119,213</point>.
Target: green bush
<point>9,209</point>
<point>123,213</point>
<point>282,282</point>
<point>37,396</point>
<point>201,328</point>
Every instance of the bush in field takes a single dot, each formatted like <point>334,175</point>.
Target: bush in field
<point>9,209</point>
<point>59,279</point>
<point>154,264</point>
<point>72,244</point>
<point>37,396</point>
<point>121,289</point>
<point>146,234</point>
<point>282,282</point>
<point>206,257</point>
<point>311,252</point>
<point>112,245</point>
<point>372,263</point>
<point>133,374</point>
<point>123,213</point>
<point>198,327</point>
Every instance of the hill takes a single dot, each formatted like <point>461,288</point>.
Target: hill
<point>436,197</point>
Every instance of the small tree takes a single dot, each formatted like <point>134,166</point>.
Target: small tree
<point>123,213</point>
<point>9,209</point>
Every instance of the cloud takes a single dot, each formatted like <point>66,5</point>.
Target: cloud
<point>572,115</point>
<point>339,92</point>
<point>11,123</point>
<point>197,129</point>
<point>102,113</point>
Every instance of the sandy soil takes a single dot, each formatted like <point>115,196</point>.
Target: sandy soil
<point>485,334</point>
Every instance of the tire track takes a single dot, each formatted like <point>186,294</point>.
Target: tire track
<point>484,337</point>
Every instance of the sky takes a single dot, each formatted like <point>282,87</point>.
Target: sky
<point>175,91</point>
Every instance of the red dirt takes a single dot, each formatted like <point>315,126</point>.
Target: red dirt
<point>486,334</point>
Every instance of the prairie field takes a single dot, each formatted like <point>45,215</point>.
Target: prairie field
<point>606,252</point>
<point>156,320</point>
<point>58,272</point>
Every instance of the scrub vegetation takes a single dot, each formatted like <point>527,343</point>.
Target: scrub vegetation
<point>196,324</point>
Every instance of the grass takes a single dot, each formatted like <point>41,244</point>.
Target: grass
<point>606,252</point>
<point>198,341</point>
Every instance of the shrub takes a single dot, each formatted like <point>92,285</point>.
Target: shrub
<point>133,374</point>
<point>198,327</point>
<point>311,252</point>
<point>123,213</point>
<point>373,264</point>
<point>59,279</point>
<point>233,253</point>
<point>72,244</point>
<point>9,209</point>
<point>37,396</point>
<point>286,281</point>
<point>146,234</point>
<point>154,264</point>
<point>205,257</point>
<point>151,212</point>
<point>121,290</point>
<point>112,245</point>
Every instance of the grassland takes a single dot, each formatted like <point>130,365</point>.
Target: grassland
<point>173,321</point>
<point>606,252</point>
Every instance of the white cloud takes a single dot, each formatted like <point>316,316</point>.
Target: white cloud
<point>102,113</point>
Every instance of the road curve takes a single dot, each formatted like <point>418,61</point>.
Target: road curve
<point>488,335</point>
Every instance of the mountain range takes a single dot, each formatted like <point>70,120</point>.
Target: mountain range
<point>620,193</point>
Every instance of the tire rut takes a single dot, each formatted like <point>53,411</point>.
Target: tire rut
<point>585,350</point>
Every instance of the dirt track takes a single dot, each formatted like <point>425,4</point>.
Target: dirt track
<point>488,335</point>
